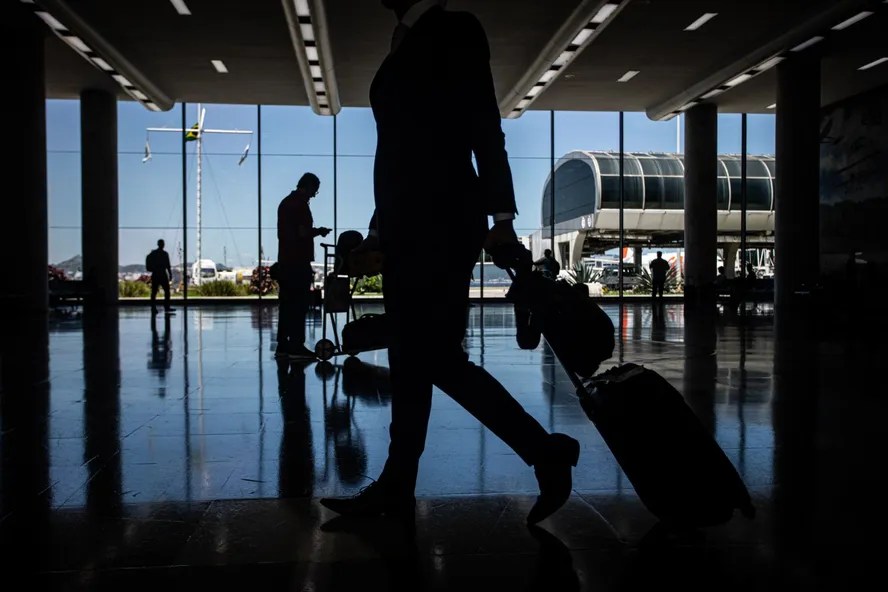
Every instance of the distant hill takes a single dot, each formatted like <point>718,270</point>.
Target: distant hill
<point>75,263</point>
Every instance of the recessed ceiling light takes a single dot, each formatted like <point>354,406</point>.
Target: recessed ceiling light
<point>854,19</point>
<point>738,80</point>
<point>808,43</point>
<point>705,18</point>
<point>712,93</point>
<point>180,7</point>
<point>50,20</point>
<point>628,76</point>
<point>122,80</point>
<point>101,63</point>
<point>220,66</point>
<point>873,64</point>
<point>77,43</point>
<point>769,64</point>
<point>582,36</point>
<point>603,13</point>
<point>772,106</point>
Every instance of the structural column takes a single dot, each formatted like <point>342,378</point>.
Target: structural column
<point>730,259</point>
<point>98,137</point>
<point>797,198</point>
<point>701,166</point>
<point>23,223</point>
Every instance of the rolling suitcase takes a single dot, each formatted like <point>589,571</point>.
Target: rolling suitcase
<point>677,468</point>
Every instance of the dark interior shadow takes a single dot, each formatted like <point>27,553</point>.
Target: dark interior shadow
<point>296,471</point>
<point>554,569</point>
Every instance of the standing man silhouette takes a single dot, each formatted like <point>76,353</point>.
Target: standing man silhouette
<point>659,269</point>
<point>425,153</point>
<point>296,234</point>
<point>157,263</point>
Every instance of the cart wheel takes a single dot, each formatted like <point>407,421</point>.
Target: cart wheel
<point>325,349</point>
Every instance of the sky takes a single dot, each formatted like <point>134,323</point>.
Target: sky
<point>293,140</point>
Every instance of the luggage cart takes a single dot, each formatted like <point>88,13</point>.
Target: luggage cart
<point>339,291</point>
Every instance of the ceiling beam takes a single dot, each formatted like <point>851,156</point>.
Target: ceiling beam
<point>750,65</point>
<point>307,23</point>
<point>583,25</point>
<point>95,49</point>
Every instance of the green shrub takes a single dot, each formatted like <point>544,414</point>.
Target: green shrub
<point>133,289</point>
<point>582,274</point>
<point>369,285</point>
<point>219,288</point>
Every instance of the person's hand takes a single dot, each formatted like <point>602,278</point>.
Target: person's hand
<point>502,233</point>
<point>371,243</point>
<point>323,231</point>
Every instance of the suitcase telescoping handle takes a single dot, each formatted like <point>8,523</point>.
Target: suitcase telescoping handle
<point>517,261</point>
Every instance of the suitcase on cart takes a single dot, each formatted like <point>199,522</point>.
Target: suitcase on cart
<point>366,333</point>
<point>677,468</point>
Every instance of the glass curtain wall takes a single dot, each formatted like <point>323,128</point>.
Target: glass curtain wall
<point>63,187</point>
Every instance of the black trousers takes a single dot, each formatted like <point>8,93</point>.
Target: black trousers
<point>658,287</point>
<point>428,324</point>
<point>293,295</point>
<point>160,280</point>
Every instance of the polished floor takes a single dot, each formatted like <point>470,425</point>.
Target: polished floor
<point>178,452</point>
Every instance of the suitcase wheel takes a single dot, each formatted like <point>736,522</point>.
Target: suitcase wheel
<point>325,349</point>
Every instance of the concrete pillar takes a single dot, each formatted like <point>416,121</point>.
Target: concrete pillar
<point>98,133</point>
<point>700,222</point>
<point>730,258</point>
<point>23,223</point>
<point>797,199</point>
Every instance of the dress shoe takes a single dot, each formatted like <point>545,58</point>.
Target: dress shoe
<point>373,500</point>
<point>553,472</point>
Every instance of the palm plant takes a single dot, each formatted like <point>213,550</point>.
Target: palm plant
<point>673,283</point>
<point>581,273</point>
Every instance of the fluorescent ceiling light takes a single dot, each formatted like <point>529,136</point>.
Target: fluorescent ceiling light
<point>854,19</point>
<point>712,93</point>
<point>808,43</point>
<point>628,76</point>
<point>522,103</point>
<point>688,106</point>
<point>773,106</point>
<point>582,37</point>
<point>312,53</point>
<point>738,80</point>
<point>563,58</point>
<point>873,64</point>
<point>139,95</point>
<point>220,66</point>
<point>302,8</point>
<point>548,75</point>
<point>315,71</point>
<point>307,32</point>
<point>705,18</point>
<point>101,64</point>
<point>320,87</point>
<point>180,7</point>
<point>121,80</point>
<point>534,91</point>
<point>77,43</point>
<point>152,106</point>
<point>50,20</point>
<point>769,64</point>
<point>603,13</point>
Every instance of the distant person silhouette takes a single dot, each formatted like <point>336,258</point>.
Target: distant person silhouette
<point>750,275</point>
<point>296,234</point>
<point>659,269</point>
<point>442,58</point>
<point>548,264</point>
<point>721,280</point>
<point>157,263</point>
<point>296,471</point>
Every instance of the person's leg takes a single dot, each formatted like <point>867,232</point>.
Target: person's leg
<point>284,310</point>
<point>166,293</point>
<point>300,300</point>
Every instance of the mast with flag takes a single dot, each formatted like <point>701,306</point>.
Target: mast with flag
<point>195,134</point>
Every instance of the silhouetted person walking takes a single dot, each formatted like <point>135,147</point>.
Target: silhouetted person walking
<point>425,153</point>
<point>157,263</point>
<point>296,234</point>
<point>659,269</point>
<point>548,264</point>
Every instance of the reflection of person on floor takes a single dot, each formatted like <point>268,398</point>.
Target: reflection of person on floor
<point>440,57</point>
<point>658,321</point>
<point>659,269</point>
<point>161,350</point>
<point>296,470</point>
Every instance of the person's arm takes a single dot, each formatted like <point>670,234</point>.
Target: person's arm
<point>484,122</point>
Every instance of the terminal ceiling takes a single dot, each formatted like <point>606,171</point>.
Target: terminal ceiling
<point>648,36</point>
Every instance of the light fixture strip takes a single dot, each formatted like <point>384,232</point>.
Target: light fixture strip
<point>220,66</point>
<point>873,64</point>
<point>628,76</point>
<point>307,23</point>
<point>705,18</point>
<point>568,53</point>
<point>803,46</point>
<point>181,7</point>
<point>772,106</point>
<point>851,21</point>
